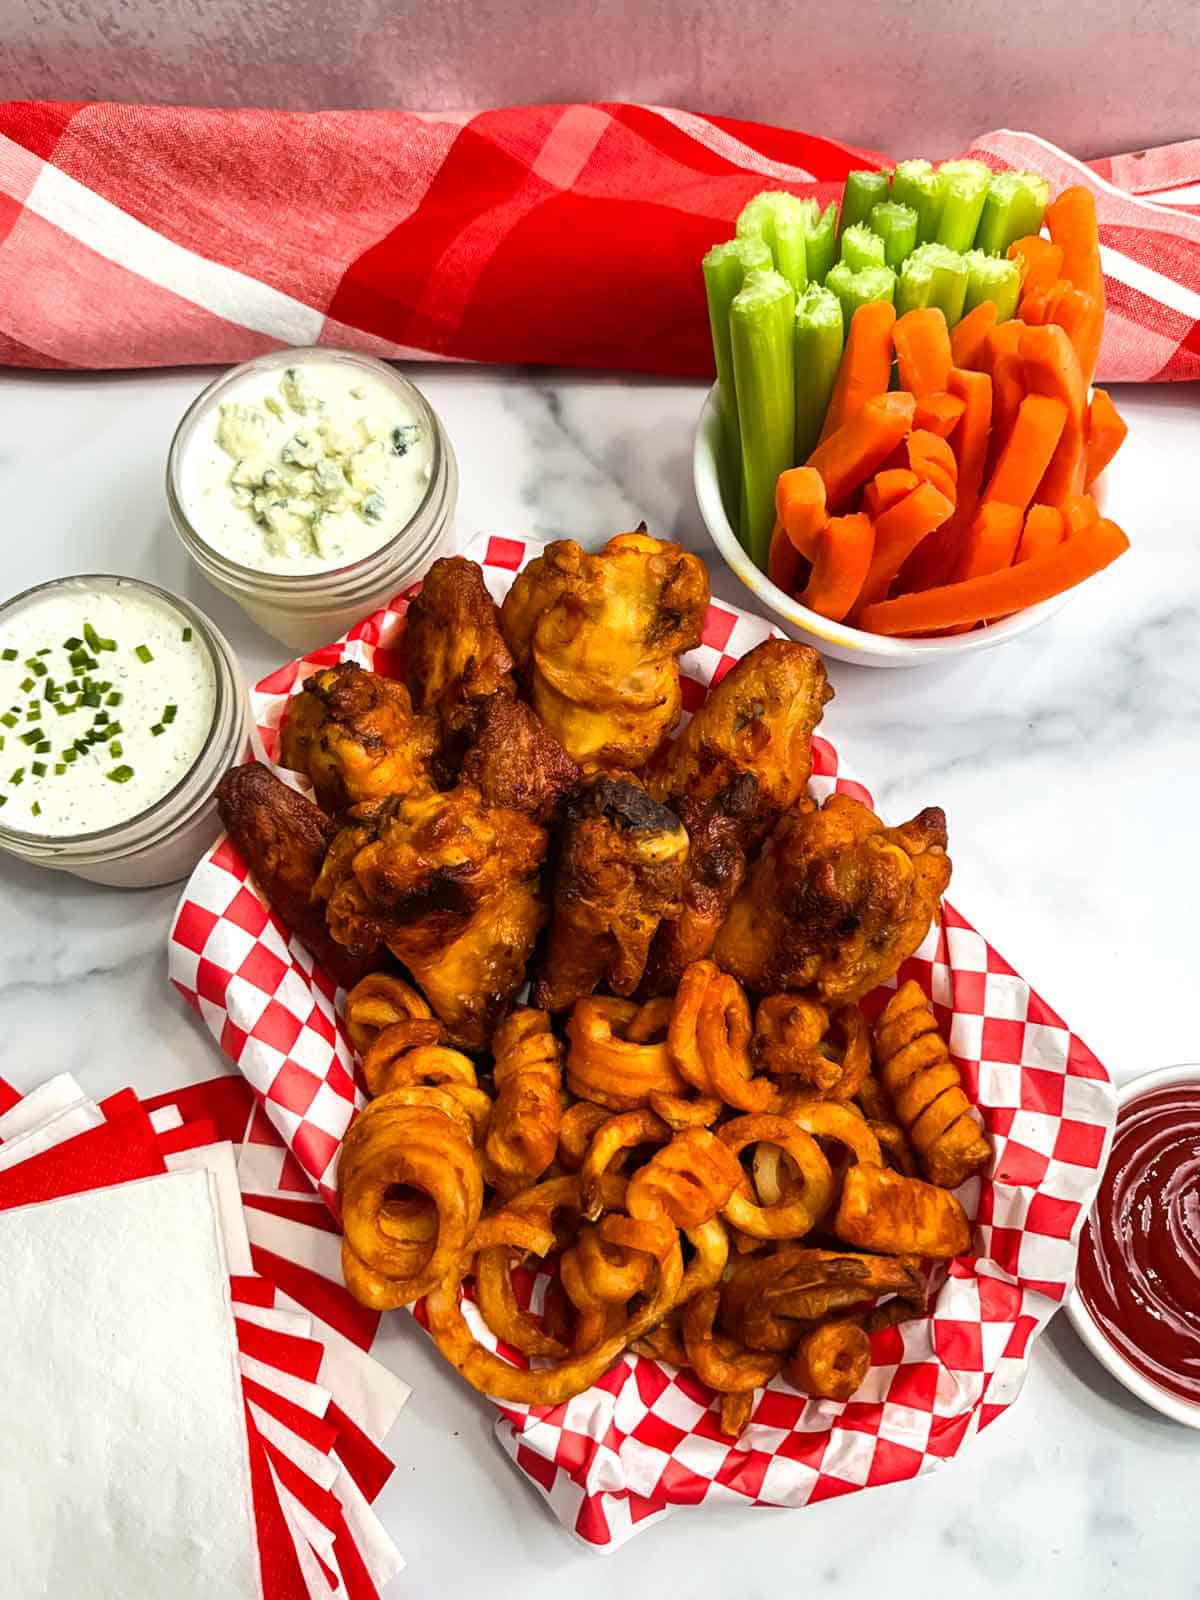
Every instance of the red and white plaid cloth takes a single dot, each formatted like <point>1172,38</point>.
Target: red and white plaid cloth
<point>643,1441</point>
<point>141,236</point>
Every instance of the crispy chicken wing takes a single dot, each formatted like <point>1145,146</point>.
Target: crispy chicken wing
<point>283,839</point>
<point>514,760</point>
<point>355,734</point>
<point>619,871</point>
<point>741,762</point>
<point>598,639</point>
<point>836,901</point>
<point>451,886</point>
<point>455,656</point>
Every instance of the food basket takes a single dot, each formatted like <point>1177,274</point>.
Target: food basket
<point>643,1441</point>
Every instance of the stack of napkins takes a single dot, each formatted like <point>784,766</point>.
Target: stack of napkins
<point>178,1421</point>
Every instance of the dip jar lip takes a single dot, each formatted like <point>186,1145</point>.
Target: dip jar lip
<point>175,806</point>
<point>308,588</point>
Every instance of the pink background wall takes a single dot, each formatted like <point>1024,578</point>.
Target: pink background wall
<point>905,75</point>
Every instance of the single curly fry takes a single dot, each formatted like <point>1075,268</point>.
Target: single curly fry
<point>523,1132</point>
<point>795,1217</point>
<point>470,1106</point>
<point>498,1306</point>
<point>709,1039</point>
<point>680,1113</point>
<point>376,1002</point>
<point>689,1180</point>
<point>831,1362</point>
<point>735,1413</point>
<point>824,1119</point>
<point>409,1052</point>
<point>617,1054</point>
<point>575,1130</point>
<point>372,1288</point>
<point>710,1242</point>
<point>716,1359</point>
<point>612,1273</point>
<point>618,1134</point>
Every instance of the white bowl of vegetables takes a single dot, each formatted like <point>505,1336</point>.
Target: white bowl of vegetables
<point>926,521</point>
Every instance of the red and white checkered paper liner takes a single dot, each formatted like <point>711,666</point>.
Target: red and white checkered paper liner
<point>643,1441</point>
<point>314,1466</point>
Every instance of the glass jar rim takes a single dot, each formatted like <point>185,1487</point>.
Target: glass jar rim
<point>207,633</point>
<point>298,585</point>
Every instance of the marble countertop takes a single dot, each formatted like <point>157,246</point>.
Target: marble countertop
<point>1061,760</point>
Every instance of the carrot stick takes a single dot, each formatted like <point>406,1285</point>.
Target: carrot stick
<point>1051,367</point>
<point>1008,390</point>
<point>783,560</point>
<point>932,459</point>
<point>898,532</point>
<point>939,413</point>
<point>1041,260</point>
<point>1071,219</point>
<point>800,507</point>
<point>886,488</point>
<point>1003,340</point>
<point>999,594</point>
<point>1043,531</point>
<point>859,448</point>
<point>967,339</point>
<point>991,540</point>
<point>934,560</point>
<point>866,366</point>
<point>1028,452</point>
<point>843,559</point>
<point>1106,436</point>
<point>922,342</point>
<point>1078,512</point>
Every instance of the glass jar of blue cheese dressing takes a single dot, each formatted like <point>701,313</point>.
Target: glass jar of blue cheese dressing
<point>311,486</point>
<point>121,706</point>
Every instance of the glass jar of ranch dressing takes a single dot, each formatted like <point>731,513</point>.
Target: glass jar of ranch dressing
<point>311,486</point>
<point>121,707</point>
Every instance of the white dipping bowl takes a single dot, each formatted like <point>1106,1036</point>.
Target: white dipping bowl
<point>1085,1325</point>
<point>835,639</point>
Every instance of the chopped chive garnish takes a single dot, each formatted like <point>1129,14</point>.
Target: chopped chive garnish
<point>70,754</point>
<point>187,636</point>
<point>51,691</point>
<point>17,774</point>
<point>115,698</point>
<point>59,768</point>
<point>71,685</point>
<point>3,799</point>
<point>157,729</point>
<point>44,651</point>
<point>169,713</point>
<point>35,809</point>
<point>1,741</point>
<point>42,748</point>
<point>33,713</point>
<point>116,749</point>
<point>143,653</point>
<point>120,774</point>
<point>100,719</point>
<point>30,736</point>
<point>11,655</point>
<point>65,707</point>
<point>38,668</point>
<point>38,769</point>
<point>73,643</point>
<point>91,698</point>
<point>81,746</point>
<point>8,720</point>
<point>26,685</point>
<point>113,730</point>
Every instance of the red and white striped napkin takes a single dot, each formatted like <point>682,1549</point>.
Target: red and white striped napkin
<point>316,1406</point>
<point>565,235</point>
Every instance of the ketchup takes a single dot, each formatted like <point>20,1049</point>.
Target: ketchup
<point>1139,1257</point>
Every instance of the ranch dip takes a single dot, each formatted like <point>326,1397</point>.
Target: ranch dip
<point>305,468</point>
<point>106,701</point>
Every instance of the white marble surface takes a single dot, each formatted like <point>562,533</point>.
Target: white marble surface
<point>1066,762</point>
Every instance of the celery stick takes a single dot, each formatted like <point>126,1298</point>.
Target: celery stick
<point>725,268</point>
<point>1015,206</point>
<point>760,326</point>
<point>862,248</point>
<point>916,184</point>
<point>896,225</point>
<point>995,279</point>
<point>819,339</point>
<point>863,190</point>
<point>933,276</point>
<point>855,289</point>
<point>782,221</point>
<point>821,244</point>
<point>964,189</point>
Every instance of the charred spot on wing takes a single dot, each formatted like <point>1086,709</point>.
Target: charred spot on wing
<point>625,805</point>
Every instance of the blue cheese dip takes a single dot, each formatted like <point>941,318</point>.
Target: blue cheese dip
<point>106,701</point>
<point>305,468</point>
